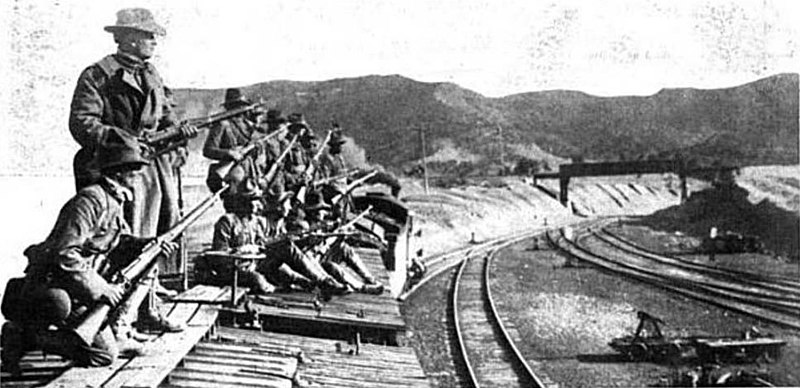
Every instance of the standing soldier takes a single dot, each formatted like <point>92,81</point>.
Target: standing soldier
<point>228,141</point>
<point>299,157</point>
<point>123,92</point>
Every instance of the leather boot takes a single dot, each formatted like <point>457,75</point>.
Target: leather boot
<point>13,341</point>
<point>154,322</point>
<point>373,289</point>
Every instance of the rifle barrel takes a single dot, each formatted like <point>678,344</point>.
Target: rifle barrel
<point>94,319</point>
<point>270,175</point>
<point>199,122</point>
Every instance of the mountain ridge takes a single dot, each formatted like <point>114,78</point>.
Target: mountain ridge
<point>755,123</point>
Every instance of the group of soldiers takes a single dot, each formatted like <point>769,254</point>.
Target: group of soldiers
<point>268,173</point>
<point>287,198</point>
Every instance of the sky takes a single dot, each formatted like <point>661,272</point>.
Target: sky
<point>496,48</point>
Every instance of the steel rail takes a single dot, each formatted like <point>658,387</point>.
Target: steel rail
<point>792,284</point>
<point>506,335</point>
<point>438,264</point>
<point>732,290</point>
<point>457,324</point>
<point>514,366</point>
<point>749,309</point>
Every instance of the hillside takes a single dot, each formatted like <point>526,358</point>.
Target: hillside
<point>751,124</point>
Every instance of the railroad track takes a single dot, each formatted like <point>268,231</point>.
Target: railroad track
<point>489,356</point>
<point>781,283</point>
<point>755,297</point>
<point>438,264</point>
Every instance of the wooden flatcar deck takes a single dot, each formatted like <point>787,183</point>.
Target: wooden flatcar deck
<point>162,354</point>
<point>376,318</point>
<point>248,358</point>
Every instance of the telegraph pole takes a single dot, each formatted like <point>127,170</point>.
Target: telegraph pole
<point>424,158</point>
<point>502,147</point>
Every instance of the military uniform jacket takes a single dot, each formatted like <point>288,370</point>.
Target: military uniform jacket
<point>88,228</point>
<point>118,92</point>
<point>225,135</point>
<point>334,165</point>
<point>232,231</point>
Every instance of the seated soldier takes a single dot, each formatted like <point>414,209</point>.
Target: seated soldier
<point>236,229</point>
<point>285,265</point>
<point>334,253</point>
<point>68,273</point>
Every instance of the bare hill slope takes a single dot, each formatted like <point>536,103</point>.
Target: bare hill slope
<point>751,124</point>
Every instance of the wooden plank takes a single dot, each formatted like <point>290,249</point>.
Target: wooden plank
<point>220,379</point>
<point>87,377</point>
<point>283,366</point>
<point>167,351</point>
<point>329,364</point>
<point>206,294</point>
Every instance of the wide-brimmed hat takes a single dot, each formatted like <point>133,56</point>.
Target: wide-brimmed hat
<point>139,19</point>
<point>248,189</point>
<point>274,116</point>
<point>337,138</point>
<point>119,151</point>
<point>297,123</point>
<point>234,99</point>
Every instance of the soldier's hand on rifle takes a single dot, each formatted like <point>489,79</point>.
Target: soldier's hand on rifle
<point>168,248</point>
<point>113,294</point>
<point>188,131</point>
<point>236,154</point>
<point>146,150</point>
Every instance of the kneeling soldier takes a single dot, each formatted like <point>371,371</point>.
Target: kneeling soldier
<point>67,273</point>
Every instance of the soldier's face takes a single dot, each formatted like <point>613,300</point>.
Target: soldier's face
<point>139,43</point>
<point>252,206</point>
<point>128,178</point>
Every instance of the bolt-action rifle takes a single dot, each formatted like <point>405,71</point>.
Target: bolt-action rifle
<point>325,181</point>
<point>175,133</point>
<point>352,186</point>
<point>94,320</point>
<point>333,237</point>
<point>308,173</point>
<point>273,169</point>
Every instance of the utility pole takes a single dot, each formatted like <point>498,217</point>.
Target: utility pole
<point>424,158</point>
<point>502,147</point>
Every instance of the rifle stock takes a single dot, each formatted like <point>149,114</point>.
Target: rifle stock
<point>93,321</point>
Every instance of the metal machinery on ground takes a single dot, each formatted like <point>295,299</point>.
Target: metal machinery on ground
<point>650,344</point>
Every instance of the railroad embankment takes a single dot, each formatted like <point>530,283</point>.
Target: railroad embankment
<point>453,217</point>
<point>764,203</point>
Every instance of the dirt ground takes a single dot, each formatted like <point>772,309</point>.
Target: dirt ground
<point>566,316</point>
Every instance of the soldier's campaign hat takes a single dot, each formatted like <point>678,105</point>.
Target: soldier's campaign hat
<point>274,116</point>
<point>337,138</point>
<point>139,19</point>
<point>120,152</point>
<point>248,189</point>
<point>297,122</point>
<point>234,99</point>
